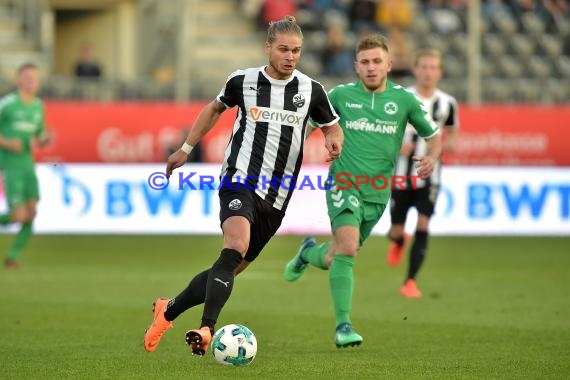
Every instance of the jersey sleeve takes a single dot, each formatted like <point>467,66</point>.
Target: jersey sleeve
<point>3,102</point>
<point>42,123</point>
<point>229,94</point>
<point>452,121</point>
<point>420,119</point>
<point>322,113</point>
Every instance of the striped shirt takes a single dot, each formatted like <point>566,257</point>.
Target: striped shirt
<point>268,135</point>
<point>443,109</point>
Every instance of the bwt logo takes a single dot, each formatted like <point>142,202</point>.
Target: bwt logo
<point>268,115</point>
<point>484,198</point>
<point>121,198</point>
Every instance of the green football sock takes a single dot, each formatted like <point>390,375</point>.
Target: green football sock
<point>21,240</point>
<point>5,219</point>
<point>341,281</point>
<point>315,255</point>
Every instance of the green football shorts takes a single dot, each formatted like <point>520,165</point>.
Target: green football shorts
<point>20,186</point>
<point>345,208</point>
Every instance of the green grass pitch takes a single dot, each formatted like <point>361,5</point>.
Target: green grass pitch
<point>494,308</point>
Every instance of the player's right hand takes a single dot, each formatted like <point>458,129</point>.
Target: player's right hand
<point>16,145</point>
<point>175,160</point>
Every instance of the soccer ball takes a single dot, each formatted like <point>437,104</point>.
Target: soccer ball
<point>234,345</point>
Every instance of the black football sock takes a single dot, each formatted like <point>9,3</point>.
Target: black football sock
<point>417,255</point>
<point>219,286</point>
<point>194,294</point>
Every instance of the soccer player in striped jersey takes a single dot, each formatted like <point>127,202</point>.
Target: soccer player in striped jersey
<point>443,109</point>
<point>373,113</point>
<point>21,123</point>
<point>274,105</point>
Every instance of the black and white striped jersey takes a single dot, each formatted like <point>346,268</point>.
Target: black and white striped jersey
<point>268,135</point>
<point>443,109</point>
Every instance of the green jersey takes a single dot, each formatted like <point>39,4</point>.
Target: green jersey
<point>374,125</point>
<point>19,120</point>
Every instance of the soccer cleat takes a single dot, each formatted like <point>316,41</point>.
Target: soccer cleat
<point>297,265</point>
<point>345,336</point>
<point>199,340</point>
<point>11,264</point>
<point>410,289</point>
<point>158,326</point>
<point>396,252</point>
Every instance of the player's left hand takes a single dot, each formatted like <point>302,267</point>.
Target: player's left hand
<point>334,149</point>
<point>175,160</point>
<point>424,165</point>
<point>45,138</point>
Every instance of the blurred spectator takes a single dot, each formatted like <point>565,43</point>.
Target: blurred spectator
<point>557,12</point>
<point>87,66</point>
<point>324,5</point>
<point>401,53</point>
<point>394,14</point>
<point>362,17</point>
<point>337,59</point>
<point>492,8</point>
<point>274,10</point>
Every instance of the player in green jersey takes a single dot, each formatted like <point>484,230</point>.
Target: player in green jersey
<point>373,113</point>
<point>21,123</point>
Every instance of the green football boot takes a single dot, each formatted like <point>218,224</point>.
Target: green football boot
<point>297,266</point>
<point>346,336</point>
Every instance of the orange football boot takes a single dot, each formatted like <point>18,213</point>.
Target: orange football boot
<point>11,264</point>
<point>396,252</point>
<point>199,340</point>
<point>158,326</point>
<point>410,289</point>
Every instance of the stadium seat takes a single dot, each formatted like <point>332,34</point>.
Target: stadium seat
<point>335,17</point>
<point>421,26</point>
<point>458,43</point>
<point>498,90</point>
<point>533,24</point>
<point>438,42</point>
<point>488,68</point>
<point>551,45</point>
<point>522,45</point>
<point>527,90</point>
<point>454,67</point>
<point>511,66</point>
<point>311,64</point>
<point>539,67</point>
<point>505,23</point>
<point>315,41</point>
<point>562,64</point>
<point>493,45</point>
<point>308,19</point>
<point>559,91</point>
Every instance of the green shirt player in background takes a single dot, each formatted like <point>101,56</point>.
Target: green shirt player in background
<point>373,113</point>
<point>21,122</point>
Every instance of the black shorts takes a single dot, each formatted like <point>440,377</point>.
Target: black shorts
<point>423,199</point>
<point>264,219</point>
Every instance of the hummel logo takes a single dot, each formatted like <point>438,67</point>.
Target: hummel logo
<point>337,198</point>
<point>354,105</point>
<point>226,283</point>
<point>254,89</point>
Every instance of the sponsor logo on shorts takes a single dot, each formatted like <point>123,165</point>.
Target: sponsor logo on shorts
<point>235,204</point>
<point>354,201</point>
